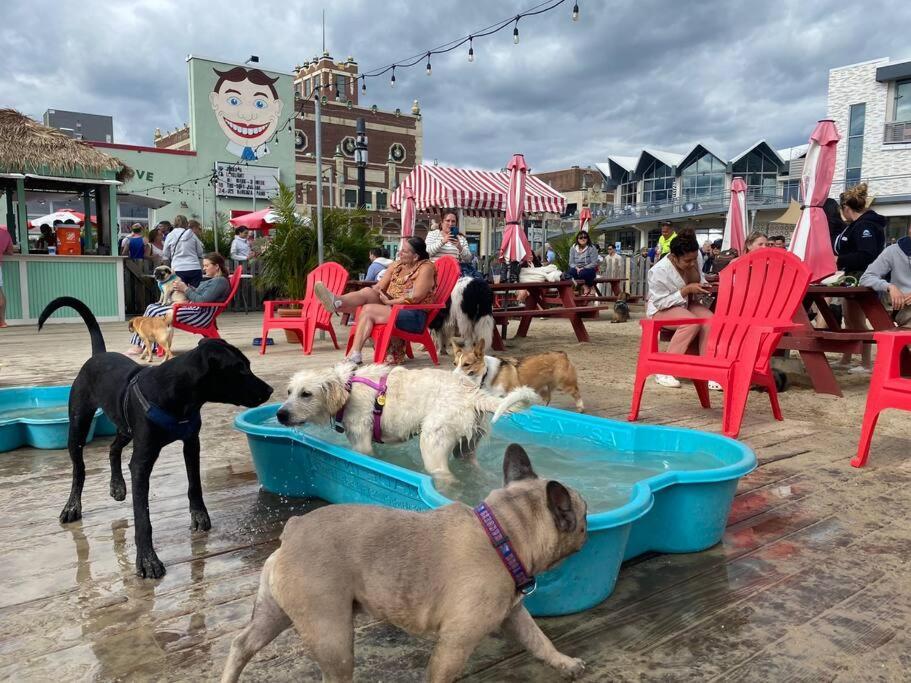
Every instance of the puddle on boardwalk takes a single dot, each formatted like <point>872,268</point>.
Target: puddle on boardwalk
<point>603,476</point>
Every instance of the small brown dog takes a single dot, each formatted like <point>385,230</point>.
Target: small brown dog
<point>621,309</point>
<point>157,330</point>
<point>543,372</point>
<point>166,278</point>
<point>433,574</point>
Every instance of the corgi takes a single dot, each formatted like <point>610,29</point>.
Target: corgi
<point>543,372</point>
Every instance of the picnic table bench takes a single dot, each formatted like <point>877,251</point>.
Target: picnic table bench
<point>539,305</point>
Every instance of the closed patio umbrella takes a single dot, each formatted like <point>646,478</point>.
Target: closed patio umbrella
<point>585,217</point>
<point>811,240</point>
<point>407,213</point>
<point>515,245</point>
<point>735,225</point>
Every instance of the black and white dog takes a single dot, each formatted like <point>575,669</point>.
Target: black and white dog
<point>468,315</point>
<point>152,407</point>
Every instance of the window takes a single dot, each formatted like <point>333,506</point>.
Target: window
<point>902,111</point>
<point>790,190</point>
<point>627,189</point>
<point>341,81</point>
<point>760,171</point>
<point>659,183</point>
<point>855,154</point>
<point>704,178</point>
<point>381,201</point>
<point>350,199</point>
<point>307,90</point>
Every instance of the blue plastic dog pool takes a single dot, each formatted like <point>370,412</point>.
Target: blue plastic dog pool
<point>38,417</point>
<point>648,488</point>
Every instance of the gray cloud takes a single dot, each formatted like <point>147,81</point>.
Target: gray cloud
<point>627,75</point>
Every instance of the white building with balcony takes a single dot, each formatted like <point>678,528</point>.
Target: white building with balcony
<point>693,190</point>
<point>870,103</point>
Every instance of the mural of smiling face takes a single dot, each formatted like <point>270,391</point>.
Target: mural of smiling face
<point>247,108</point>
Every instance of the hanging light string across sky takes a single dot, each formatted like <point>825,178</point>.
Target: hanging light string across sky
<point>425,55</point>
<point>540,8</point>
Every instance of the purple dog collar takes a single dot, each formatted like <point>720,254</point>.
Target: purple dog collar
<point>378,403</point>
<point>525,584</point>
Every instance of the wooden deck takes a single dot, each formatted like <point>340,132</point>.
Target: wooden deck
<point>812,581</point>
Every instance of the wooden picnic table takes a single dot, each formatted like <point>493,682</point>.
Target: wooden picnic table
<point>813,343</point>
<point>538,304</point>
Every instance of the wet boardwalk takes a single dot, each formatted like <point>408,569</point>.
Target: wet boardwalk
<point>812,580</point>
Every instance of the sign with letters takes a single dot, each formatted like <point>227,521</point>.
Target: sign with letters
<point>241,180</point>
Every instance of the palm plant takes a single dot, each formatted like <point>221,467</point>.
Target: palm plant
<point>292,252</point>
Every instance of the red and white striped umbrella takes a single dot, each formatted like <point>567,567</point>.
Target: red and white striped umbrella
<point>735,225</point>
<point>256,220</point>
<point>585,217</point>
<point>515,245</point>
<point>58,216</point>
<point>407,213</point>
<point>811,240</point>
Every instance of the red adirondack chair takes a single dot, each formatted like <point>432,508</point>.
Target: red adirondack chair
<point>312,316</point>
<point>888,389</point>
<point>447,274</point>
<point>757,298</point>
<point>210,330</point>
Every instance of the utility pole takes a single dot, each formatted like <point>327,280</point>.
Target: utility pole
<point>360,157</point>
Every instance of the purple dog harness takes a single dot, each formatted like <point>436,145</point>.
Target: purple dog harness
<point>525,584</point>
<point>378,403</point>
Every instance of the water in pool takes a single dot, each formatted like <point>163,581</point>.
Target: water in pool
<point>604,477</point>
<point>55,412</point>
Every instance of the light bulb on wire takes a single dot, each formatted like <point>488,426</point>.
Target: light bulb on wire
<point>470,49</point>
<point>392,80</point>
<point>515,33</point>
<point>428,70</point>
<point>576,12</point>
<point>364,84</point>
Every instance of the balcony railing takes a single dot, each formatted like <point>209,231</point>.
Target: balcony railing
<point>895,132</point>
<point>682,207</point>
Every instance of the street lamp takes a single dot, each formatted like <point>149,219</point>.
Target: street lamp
<point>360,158</point>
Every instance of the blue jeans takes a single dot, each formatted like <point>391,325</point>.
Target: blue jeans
<point>191,277</point>
<point>587,275</point>
<point>411,321</point>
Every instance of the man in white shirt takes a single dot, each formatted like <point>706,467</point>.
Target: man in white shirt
<point>184,251</point>
<point>240,246</point>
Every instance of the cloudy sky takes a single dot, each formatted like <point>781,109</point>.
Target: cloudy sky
<point>628,74</point>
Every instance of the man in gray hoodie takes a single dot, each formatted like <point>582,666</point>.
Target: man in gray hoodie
<point>893,263</point>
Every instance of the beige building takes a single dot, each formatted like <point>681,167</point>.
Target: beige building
<point>870,103</point>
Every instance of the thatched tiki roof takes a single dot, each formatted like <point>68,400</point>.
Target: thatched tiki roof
<point>27,146</point>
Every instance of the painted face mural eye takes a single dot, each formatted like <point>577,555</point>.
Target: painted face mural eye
<point>260,104</point>
<point>233,101</point>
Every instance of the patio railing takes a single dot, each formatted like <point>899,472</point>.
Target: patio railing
<point>683,206</point>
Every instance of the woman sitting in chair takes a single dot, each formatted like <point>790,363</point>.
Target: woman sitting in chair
<point>410,280</point>
<point>213,289</point>
<point>674,285</point>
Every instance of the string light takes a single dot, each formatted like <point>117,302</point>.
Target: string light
<point>576,12</point>
<point>515,33</point>
<point>470,49</point>
<point>392,80</point>
<point>364,84</point>
<point>428,70</point>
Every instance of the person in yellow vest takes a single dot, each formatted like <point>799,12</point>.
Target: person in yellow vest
<point>664,242</point>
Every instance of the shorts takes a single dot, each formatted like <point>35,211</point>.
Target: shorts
<point>411,321</point>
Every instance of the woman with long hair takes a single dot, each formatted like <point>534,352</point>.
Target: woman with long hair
<point>410,280</point>
<point>583,262</point>
<point>675,284</point>
<point>213,288</point>
<point>856,247</point>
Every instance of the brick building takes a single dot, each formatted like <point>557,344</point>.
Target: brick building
<point>870,103</point>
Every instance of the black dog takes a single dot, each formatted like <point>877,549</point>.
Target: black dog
<point>151,406</point>
<point>468,314</point>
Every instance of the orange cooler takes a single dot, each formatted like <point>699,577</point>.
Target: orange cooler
<point>68,240</point>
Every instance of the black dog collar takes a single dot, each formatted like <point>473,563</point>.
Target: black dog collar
<point>179,429</point>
